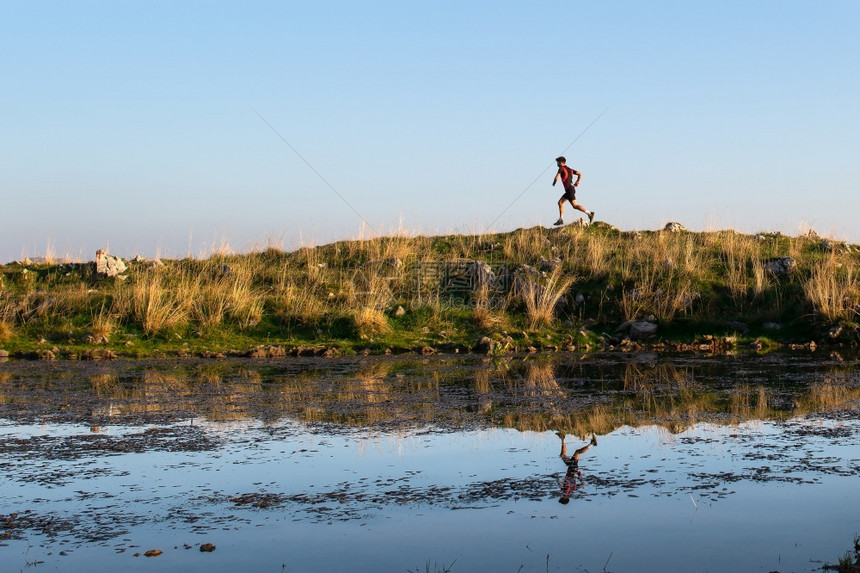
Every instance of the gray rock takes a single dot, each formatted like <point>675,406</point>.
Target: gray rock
<point>109,265</point>
<point>481,274</point>
<point>580,298</point>
<point>781,266</point>
<point>674,227</point>
<point>484,345</point>
<point>771,326</point>
<point>400,311</point>
<point>624,327</point>
<point>642,329</point>
<point>550,264</point>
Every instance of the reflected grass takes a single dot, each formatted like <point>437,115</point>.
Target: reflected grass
<point>578,398</point>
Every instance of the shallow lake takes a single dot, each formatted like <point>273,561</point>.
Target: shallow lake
<point>737,463</point>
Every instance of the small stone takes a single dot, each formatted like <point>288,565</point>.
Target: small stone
<point>207,548</point>
<point>771,326</point>
<point>153,553</point>
<point>400,311</point>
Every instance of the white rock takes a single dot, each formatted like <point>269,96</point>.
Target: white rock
<point>109,265</point>
<point>781,266</point>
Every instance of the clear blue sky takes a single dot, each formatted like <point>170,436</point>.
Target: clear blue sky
<point>132,125</point>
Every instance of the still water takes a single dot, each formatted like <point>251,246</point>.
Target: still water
<point>743,463</point>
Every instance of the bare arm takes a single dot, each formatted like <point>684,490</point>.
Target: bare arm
<point>578,177</point>
<point>555,179</point>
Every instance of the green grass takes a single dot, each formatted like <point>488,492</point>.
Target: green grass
<point>347,294</point>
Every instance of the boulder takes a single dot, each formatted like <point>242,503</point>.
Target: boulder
<point>674,227</point>
<point>550,265</point>
<point>642,329</point>
<point>109,265</point>
<point>781,266</point>
<point>480,274</point>
<point>484,345</point>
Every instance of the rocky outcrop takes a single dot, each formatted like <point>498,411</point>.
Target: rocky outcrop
<point>109,265</point>
<point>642,329</point>
<point>781,266</point>
<point>549,265</point>
<point>674,227</point>
<point>481,275</point>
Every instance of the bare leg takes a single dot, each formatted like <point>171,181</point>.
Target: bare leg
<point>579,207</point>
<point>581,451</point>
<point>563,445</point>
<point>561,207</point>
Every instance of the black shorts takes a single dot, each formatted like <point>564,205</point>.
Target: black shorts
<point>570,193</point>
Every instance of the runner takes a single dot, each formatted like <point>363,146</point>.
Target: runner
<point>568,484</point>
<point>566,174</point>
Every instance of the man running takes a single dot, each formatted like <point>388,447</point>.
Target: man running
<point>568,484</point>
<point>566,174</point>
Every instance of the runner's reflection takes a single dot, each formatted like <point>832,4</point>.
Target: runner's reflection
<point>568,483</point>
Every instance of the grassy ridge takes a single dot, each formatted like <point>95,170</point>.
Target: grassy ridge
<point>569,287</point>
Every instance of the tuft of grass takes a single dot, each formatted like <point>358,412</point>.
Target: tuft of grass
<point>7,331</point>
<point>834,290</point>
<point>370,322</point>
<point>541,299</point>
<point>103,325</point>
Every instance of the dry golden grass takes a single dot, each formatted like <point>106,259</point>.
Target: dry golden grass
<point>299,303</point>
<point>370,322</point>
<point>524,245</point>
<point>7,331</point>
<point>834,290</point>
<point>103,325</point>
<point>541,300</point>
<point>154,303</point>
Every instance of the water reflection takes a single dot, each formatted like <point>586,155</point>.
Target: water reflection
<point>452,459</point>
<point>573,475</point>
<point>597,394</point>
